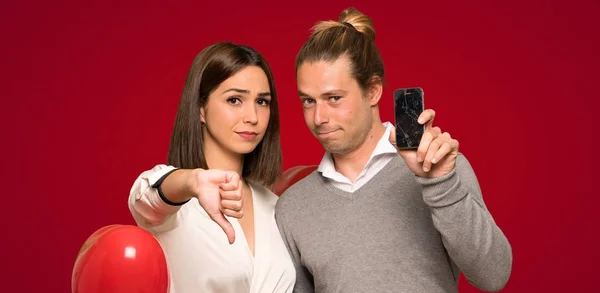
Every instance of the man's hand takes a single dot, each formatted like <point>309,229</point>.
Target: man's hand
<point>219,192</point>
<point>437,151</point>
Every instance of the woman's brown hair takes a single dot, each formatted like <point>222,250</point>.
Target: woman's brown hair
<point>210,68</point>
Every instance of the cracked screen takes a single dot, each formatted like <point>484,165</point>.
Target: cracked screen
<point>408,105</point>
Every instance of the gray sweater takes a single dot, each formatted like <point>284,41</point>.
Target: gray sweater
<point>397,233</point>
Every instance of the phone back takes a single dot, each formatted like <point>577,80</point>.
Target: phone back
<point>408,105</point>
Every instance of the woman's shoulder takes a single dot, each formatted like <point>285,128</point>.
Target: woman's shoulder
<point>264,193</point>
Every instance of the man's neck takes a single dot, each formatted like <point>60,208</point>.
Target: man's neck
<point>351,164</point>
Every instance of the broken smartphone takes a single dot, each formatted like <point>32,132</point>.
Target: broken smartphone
<point>408,105</point>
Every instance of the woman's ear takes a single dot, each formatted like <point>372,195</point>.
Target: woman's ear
<point>202,116</point>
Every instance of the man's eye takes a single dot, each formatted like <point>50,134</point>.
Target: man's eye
<point>307,101</point>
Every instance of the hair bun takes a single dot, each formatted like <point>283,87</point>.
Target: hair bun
<point>362,23</point>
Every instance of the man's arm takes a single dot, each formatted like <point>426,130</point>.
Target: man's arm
<point>473,240</point>
<point>304,280</point>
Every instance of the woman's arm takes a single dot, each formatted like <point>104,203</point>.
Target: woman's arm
<point>157,194</point>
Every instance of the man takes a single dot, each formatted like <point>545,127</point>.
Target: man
<point>373,218</point>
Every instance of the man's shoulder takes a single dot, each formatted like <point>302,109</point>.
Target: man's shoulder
<point>297,192</point>
<point>307,182</point>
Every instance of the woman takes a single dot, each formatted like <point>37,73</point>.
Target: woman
<point>209,207</point>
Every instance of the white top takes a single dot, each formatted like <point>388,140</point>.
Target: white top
<point>383,153</point>
<point>199,256</point>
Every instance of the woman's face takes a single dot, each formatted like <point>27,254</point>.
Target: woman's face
<point>237,112</point>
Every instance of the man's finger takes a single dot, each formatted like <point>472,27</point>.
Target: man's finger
<point>434,146</point>
<point>426,139</point>
<point>427,117</point>
<point>445,149</point>
<point>392,138</point>
<point>225,225</point>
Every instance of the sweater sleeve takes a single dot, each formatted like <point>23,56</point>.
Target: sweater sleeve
<point>148,208</point>
<point>304,279</point>
<point>473,240</point>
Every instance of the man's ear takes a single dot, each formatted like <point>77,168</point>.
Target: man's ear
<point>375,91</point>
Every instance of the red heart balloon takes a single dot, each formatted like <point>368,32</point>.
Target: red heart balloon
<point>119,259</point>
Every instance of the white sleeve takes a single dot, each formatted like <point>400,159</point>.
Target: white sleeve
<point>148,209</point>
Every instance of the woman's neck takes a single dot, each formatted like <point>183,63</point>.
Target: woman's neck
<point>219,158</point>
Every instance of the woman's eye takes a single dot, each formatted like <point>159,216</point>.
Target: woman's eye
<point>263,102</point>
<point>234,100</point>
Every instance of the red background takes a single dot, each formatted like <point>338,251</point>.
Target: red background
<point>90,90</point>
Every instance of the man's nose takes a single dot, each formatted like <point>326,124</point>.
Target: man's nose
<point>321,114</point>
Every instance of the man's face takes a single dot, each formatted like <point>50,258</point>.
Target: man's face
<point>335,110</point>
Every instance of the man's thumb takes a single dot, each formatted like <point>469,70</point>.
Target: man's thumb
<point>225,225</point>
